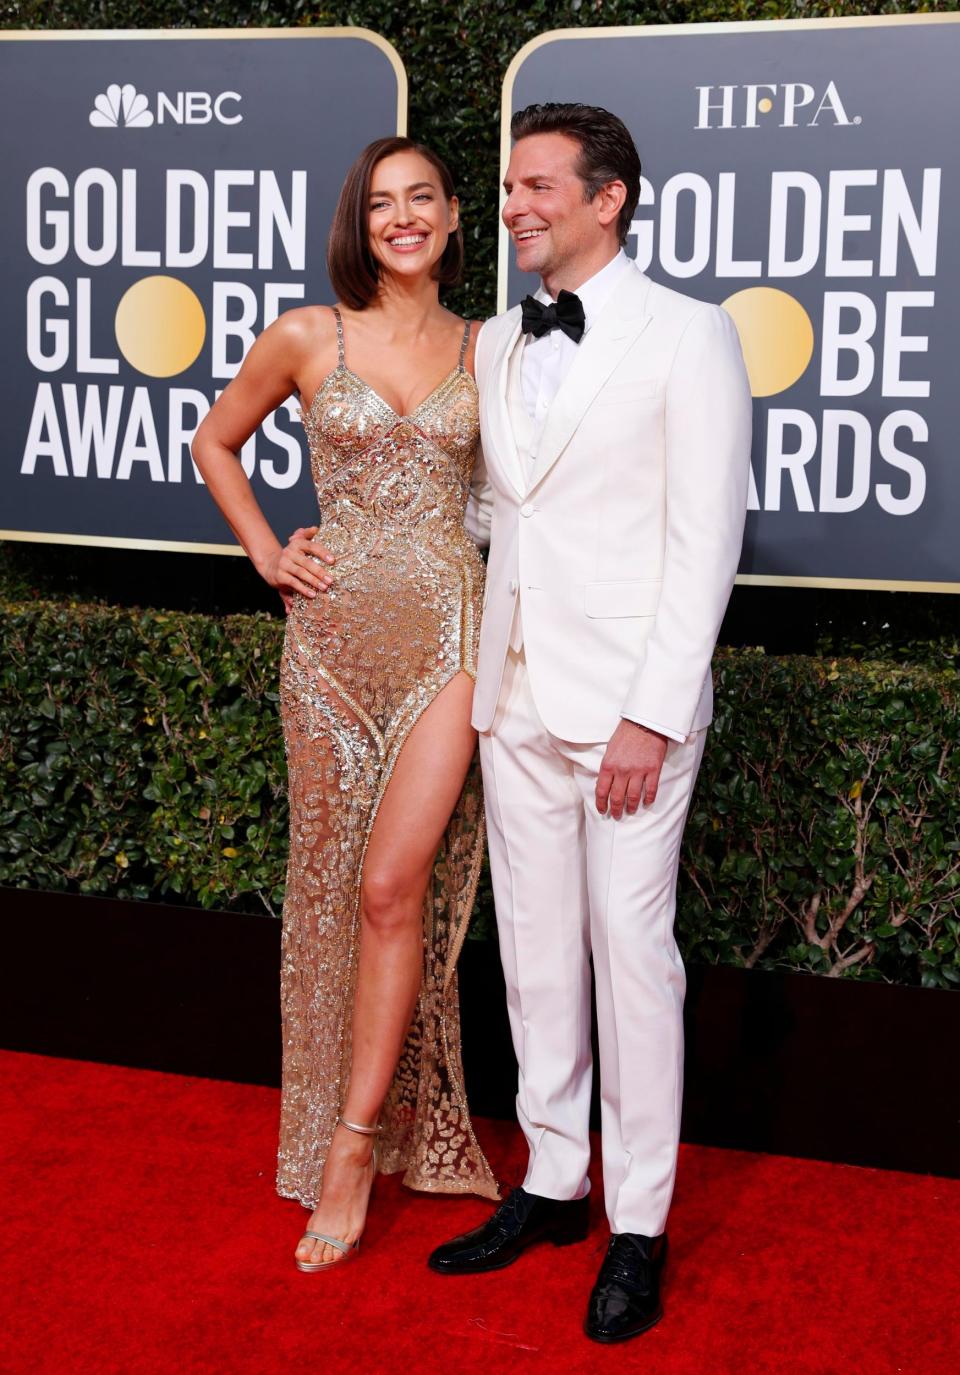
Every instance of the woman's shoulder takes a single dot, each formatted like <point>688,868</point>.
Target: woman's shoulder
<point>476,346</point>
<point>301,337</point>
<point>470,328</point>
<point>309,325</point>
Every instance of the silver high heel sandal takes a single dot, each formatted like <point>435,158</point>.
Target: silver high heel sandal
<point>348,1249</point>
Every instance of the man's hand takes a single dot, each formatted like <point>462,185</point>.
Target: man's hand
<point>630,772</point>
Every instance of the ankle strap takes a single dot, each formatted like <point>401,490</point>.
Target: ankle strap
<point>355,1127</point>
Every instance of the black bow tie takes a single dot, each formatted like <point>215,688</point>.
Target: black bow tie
<point>566,314</point>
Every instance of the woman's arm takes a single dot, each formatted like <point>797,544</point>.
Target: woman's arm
<point>267,377</point>
<point>479,512</point>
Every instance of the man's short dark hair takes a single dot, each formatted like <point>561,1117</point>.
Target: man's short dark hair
<point>607,152</point>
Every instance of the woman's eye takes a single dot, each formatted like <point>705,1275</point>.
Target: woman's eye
<point>379,205</point>
<point>423,196</point>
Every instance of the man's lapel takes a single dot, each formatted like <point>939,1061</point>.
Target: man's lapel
<point>504,444</point>
<point>621,322</point>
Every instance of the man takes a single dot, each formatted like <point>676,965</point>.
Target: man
<point>616,434</point>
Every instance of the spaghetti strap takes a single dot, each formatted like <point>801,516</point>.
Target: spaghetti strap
<point>464,345</point>
<point>341,356</point>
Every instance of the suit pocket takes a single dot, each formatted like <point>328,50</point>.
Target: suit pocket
<point>635,598</point>
<point>639,389</point>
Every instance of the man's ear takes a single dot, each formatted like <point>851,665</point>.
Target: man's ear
<point>609,201</point>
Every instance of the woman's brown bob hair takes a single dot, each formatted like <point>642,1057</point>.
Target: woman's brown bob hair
<point>354,272</point>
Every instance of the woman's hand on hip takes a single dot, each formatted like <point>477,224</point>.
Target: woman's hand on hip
<point>294,569</point>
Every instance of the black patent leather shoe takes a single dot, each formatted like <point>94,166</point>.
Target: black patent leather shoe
<point>626,1297</point>
<point>520,1221</point>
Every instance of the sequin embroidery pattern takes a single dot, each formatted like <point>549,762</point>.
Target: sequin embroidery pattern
<point>360,665</point>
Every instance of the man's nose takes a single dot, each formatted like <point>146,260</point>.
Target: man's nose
<point>513,208</point>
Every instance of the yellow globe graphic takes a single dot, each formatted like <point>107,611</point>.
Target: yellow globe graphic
<point>776,334</point>
<point>160,326</point>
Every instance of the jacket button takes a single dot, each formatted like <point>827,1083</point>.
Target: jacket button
<point>527,509</point>
<point>512,586</point>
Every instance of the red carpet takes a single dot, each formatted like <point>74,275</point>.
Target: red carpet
<point>142,1235</point>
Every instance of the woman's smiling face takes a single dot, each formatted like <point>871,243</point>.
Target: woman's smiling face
<point>410,219</point>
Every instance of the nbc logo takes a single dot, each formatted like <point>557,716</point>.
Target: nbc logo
<point>121,105</point>
<point>125,107</point>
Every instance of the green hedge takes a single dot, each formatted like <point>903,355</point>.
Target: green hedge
<point>143,758</point>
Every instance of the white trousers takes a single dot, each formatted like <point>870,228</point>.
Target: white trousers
<point>569,883</point>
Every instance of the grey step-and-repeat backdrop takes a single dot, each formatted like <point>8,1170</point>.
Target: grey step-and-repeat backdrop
<point>167,195</point>
<point>170,193</point>
<point>805,175</point>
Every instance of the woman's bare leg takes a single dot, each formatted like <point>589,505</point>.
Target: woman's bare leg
<point>420,797</point>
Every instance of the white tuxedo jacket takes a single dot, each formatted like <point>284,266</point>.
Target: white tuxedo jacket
<point>624,547</point>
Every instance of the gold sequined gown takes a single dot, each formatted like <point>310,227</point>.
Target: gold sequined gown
<point>360,664</point>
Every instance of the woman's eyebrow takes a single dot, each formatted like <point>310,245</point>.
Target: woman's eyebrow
<point>414,186</point>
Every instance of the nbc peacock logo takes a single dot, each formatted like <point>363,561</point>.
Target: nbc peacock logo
<point>121,107</point>
<point>124,107</point>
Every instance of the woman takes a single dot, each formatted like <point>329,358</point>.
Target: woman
<point>376,682</point>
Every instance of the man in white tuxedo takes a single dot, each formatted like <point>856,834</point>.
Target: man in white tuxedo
<point>616,419</point>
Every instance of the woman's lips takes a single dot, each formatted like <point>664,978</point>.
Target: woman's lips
<point>407,243</point>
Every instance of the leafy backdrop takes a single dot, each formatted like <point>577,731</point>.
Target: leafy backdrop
<point>142,757</point>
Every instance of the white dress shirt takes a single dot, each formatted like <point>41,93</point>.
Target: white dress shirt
<point>546,361</point>
<point>544,365</point>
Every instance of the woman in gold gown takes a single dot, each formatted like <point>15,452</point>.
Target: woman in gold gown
<point>383,604</point>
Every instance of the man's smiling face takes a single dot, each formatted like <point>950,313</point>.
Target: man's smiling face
<point>552,226</point>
